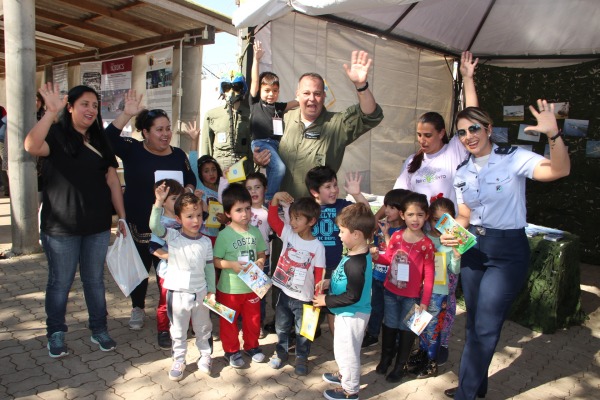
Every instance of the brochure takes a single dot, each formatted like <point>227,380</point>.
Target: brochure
<point>256,279</point>
<point>220,309</point>
<point>236,172</point>
<point>310,321</point>
<point>466,239</point>
<point>214,208</point>
<point>417,321</point>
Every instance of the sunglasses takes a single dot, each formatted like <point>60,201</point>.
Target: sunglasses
<point>237,87</point>
<point>474,129</point>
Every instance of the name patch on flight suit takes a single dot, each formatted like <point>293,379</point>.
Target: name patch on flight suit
<point>312,135</point>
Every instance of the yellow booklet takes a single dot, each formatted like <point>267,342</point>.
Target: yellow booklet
<point>214,208</point>
<point>236,172</point>
<point>310,321</point>
<point>440,268</point>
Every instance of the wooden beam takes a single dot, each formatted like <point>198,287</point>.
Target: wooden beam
<point>83,39</point>
<point>61,19</point>
<point>119,15</point>
<point>196,13</point>
<point>142,43</point>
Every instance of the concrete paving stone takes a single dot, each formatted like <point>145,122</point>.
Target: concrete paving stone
<point>76,380</point>
<point>27,383</point>
<point>14,376</point>
<point>16,348</point>
<point>131,386</point>
<point>86,389</point>
<point>23,360</point>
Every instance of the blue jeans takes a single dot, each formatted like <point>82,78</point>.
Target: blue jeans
<point>275,168</point>
<point>287,313</point>
<point>396,309</point>
<point>64,253</point>
<point>377,308</point>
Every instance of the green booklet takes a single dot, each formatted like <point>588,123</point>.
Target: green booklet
<point>466,239</point>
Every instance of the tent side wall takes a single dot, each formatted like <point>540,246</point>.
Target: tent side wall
<point>406,81</point>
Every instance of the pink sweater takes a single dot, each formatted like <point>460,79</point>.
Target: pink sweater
<point>421,266</point>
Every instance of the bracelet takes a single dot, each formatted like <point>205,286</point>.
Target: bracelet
<point>559,134</point>
<point>190,189</point>
<point>123,219</point>
<point>362,89</point>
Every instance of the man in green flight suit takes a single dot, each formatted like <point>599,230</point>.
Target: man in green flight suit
<point>314,136</point>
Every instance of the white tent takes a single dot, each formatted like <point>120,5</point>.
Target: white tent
<point>496,28</point>
<point>414,45</point>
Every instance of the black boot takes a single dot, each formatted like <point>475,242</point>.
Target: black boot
<point>417,361</point>
<point>388,349</point>
<point>430,369</point>
<point>407,339</point>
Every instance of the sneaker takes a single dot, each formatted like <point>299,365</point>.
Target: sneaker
<point>235,359</point>
<point>256,354</point>
<point>176,372</point>
<point>270,327</point>
<point>430,369</point>
<point>136,322</point>
<point>339,393</point>
<point>104,341</point>
<point>369,341</point>
<point>334,378</point>
<point>205,364</point>
<point>164,340</point>
<point>262,334</point>
<point>442,357</point>
<point>275,362</point>
<point>301,366</point>
<point>56,345</point>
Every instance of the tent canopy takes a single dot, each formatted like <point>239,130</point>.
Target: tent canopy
<point>494,29</point>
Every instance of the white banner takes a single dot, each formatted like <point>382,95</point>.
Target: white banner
<point>91,74</point>
<point>159,80</point>
<point>116,81</point>
<point>60,77</point>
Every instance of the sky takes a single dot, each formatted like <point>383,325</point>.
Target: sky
<point>221,56</point>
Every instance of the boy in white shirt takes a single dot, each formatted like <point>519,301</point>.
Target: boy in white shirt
<point>300,267</point>
<point>190,278</point>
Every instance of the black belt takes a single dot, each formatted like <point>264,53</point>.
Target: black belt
<point>482,231</point>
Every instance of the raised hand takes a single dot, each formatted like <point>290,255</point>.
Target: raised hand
<point>258,50</point>
<point>161,193</point>
<point>546,120</point>
<point>352,183</point>
<point>467,65</point>
<point>359,67</point>
<point>191,129</point>
<point>52,97</point>
<point>133,103</point>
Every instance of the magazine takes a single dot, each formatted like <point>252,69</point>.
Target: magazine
<point>417,321</point>
<point>256,279</point>
<point>220,309</point>
<point>466,239</point>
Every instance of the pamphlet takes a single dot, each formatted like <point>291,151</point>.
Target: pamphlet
<point>466,239</point>
<point>236,172</point>
<point>256,279</point>
<point>214,208</point>
<point>417,320</point>
<point>220,309</point>
<point>310,321</point>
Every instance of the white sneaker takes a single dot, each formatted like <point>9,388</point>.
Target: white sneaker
<point>205,364</point>
<point>136,322</point>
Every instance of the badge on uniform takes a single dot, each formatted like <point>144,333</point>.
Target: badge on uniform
<point>498,188</point>
<point>312,135</point>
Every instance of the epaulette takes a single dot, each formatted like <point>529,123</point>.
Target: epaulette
<point>462,164</point>
<point>506,149</point>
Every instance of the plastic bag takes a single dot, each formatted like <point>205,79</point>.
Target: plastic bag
<point>125,264</point>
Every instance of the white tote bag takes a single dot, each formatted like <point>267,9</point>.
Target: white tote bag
<point>125,264</point>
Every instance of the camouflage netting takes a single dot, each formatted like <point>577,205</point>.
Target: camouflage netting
<point>551,297</point>
<point>571,203</point>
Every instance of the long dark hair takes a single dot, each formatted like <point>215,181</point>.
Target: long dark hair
<point>437,121</point>
<point>73,139</point>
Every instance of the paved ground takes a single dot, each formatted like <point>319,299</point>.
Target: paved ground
<point>527,365</point>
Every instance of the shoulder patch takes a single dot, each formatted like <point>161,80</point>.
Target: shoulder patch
<point>504,150</point>
<point>462,164</point>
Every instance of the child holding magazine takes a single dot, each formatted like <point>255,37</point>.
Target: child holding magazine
<point>300,267</point>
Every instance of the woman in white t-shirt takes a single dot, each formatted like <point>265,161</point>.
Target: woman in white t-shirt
<point>431,170</point>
